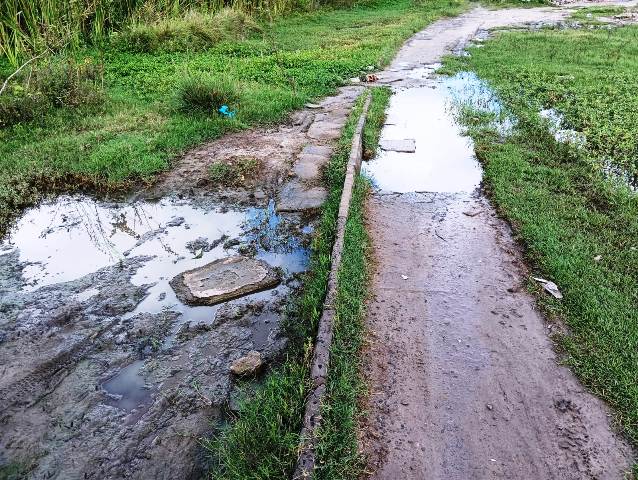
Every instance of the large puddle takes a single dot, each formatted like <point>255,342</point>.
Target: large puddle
<point>74,236</point>
<point>423,118</point>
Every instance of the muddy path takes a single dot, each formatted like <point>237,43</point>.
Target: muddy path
<point>464,382</point>
<point>112,368</point>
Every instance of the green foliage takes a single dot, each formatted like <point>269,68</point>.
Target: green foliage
<point>236,172</point>
<point>194,32</point>
<point>49,85</point>
<point>578,225</point>
<point>206,93</point>
<point>337,449</point>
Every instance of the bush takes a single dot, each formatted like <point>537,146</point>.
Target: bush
<point>206,93</point>
<point>54,84</point>
<point>194,32</point>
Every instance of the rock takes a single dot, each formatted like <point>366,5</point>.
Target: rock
<point>248,365</point>
<point>224,279</point>
<point>294,197</point>
<point>175,222</point>
<point>405,146</point>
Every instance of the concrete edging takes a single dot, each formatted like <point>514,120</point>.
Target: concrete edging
<point>321,358</point>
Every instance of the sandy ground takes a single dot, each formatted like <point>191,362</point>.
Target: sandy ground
<point>464,382</point>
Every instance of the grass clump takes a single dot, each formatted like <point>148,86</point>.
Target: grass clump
<point>578,224</point>
<point>52,84</point>
<point>195,31</point>
<point>206,93</point>
<point>236,172</point>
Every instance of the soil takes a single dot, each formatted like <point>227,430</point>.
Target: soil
<point>463,379</point>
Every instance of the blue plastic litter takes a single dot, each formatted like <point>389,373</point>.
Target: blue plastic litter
<point>224,110</point>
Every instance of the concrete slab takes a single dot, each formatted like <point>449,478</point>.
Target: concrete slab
<point>407,145</point>
<point>294,197</point>
<point>223,280</point>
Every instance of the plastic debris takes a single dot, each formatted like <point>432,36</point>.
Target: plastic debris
<point>549,287</point>
<point>226,111</point>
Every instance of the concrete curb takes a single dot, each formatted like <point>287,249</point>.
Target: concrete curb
<point>321,358</point>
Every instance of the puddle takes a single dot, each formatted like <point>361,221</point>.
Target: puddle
<point>74,236</point>
<point>444,159</point>
<point>555,121</point>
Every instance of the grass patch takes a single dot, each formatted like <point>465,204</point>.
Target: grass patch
<point>235,172</point>
<point>195,31</point>
<point>579,227</point>
<point>206,93</point>
<point>139,129</point>
<point>338,454</point>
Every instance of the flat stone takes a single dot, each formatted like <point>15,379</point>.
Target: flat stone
<point>322,150</point>
<point>407,145</point>
<point>224,279</point>
<point>295,197</point>
<point>248,365</point>
<point>325,130</point>
<point>308,166</point>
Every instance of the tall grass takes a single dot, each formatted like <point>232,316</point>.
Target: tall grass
<point>31,26</point>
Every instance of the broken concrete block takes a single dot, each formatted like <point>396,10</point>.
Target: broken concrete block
<point>224,279</point>
<point>407,145</point>
<point>248,365</point>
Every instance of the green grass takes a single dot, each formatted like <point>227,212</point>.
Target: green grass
<point>140,128</point>
<point>262,441</point>
<point>338,454</point>
<point>562,207</point>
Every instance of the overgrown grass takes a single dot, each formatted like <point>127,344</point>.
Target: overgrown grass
<point>579,227</point>
<point>139,128</point>
<point>338,454</point>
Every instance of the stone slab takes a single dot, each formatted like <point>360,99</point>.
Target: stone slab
<point>293,197</point>
<point>407,145</point>
<point>223,280</point>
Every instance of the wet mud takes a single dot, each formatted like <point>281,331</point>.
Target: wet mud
<point>463,379</point>
<point>106,371</point>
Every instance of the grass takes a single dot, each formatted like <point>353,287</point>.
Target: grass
<point>234,172</point>
<point>338,455</point>
<point>140,129</point>
<point>578,225</point>
<point>262,441</point>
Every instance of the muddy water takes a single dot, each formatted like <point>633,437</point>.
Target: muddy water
<point>99,359</point>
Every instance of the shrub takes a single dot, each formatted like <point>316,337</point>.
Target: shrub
<point>56,83</point>
<point>206,93</point>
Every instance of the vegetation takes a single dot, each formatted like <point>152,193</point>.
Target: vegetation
<point>338,455</point>
<point>140,126</point>
<point>576,218</point>
<point>234,172</point>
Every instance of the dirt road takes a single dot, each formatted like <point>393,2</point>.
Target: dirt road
<point>464,381</point>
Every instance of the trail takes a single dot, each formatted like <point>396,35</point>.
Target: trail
<point>464,382</point>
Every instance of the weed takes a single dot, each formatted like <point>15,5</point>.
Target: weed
<point>236,172</point>
<point>55,83</point>
<point>194,32</point>
<point>207,93</point>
